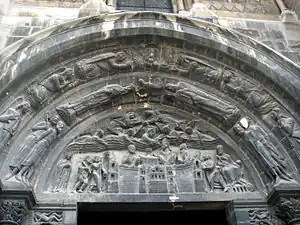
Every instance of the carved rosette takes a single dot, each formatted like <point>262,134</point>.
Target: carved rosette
<point>12,212</point>
<point>288,209</point>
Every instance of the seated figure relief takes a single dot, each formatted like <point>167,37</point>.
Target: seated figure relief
<point>149,151</point>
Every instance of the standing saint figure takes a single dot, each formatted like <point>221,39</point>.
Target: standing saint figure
<point>38,142</point>
<point>259,140</point>
<point>62,173</point>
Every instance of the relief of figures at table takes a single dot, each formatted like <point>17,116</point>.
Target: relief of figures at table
<point>148,152</point>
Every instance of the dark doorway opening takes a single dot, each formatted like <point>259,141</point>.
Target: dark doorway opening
<point>151,212</point>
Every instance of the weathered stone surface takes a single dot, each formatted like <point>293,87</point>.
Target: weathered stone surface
<point>147,107</point>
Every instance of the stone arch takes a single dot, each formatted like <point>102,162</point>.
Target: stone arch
<point>67,81</point>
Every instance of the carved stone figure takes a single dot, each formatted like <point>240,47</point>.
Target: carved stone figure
<point>151,89</point>
<point>224,173</point>
<point>259,141</point>
<point>62,173</point>
<point>47,217</point>
<point>89,175</point>
<point>55,83</point>
<point>259,100</point>
<point>131,159</point>
<point>190,96</point>
<point>289,129</point>
<point>102,65</point>
<point>105,95</point>
<point>12,212</point>
<point>10,121</point>
<point>35,147</point>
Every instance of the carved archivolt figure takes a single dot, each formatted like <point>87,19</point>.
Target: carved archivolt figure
<point>189,95</point>
<point>261,101</point>
<point>55,83</point>
<point>62,173</point>
<point>259,141</point>
<point>289,128</point>
<point>10,121</point>
<point>105,95</point>
<point>35,147</point>
<point>102,65</point>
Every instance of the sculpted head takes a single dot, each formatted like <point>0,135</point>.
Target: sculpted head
<point>131,149</point>
<point>100,133</point>
<point>275,113</point>
<point>220,149</point>
<point>182,147</point>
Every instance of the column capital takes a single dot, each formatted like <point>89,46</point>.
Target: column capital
<point>12,212</point>
<point>286,201</point>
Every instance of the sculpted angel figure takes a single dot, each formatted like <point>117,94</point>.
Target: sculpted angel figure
<point>190,95</point>
<point>105,95</point>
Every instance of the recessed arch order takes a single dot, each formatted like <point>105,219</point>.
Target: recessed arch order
<point>147,103</point>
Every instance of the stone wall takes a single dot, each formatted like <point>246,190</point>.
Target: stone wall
<point>20,20</point>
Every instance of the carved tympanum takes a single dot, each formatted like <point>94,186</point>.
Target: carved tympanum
<point>52,217</point>
<point>35,147</point>
<point>149,151</point>
<point>12,212</point>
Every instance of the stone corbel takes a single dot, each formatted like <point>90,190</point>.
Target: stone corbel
<point>13,212</point>
<point>285,200</point>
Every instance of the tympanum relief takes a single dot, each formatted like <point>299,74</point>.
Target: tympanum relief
<point>148,151</point>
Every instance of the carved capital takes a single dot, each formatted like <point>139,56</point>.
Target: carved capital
<point>12,212</point>
<point>288,209</point>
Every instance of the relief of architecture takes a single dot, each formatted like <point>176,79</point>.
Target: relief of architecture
<point>149,152</point>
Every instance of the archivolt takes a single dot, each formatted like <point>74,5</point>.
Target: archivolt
<point>73,71</point>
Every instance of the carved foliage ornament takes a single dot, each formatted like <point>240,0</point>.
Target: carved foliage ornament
<point>14,212</point>
<point>288,209</point>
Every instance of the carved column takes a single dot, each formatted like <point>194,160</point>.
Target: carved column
<point>12,212</point>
